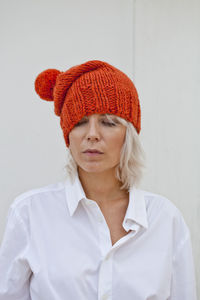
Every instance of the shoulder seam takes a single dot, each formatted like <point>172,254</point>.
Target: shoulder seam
<point>183,241</point>
<point>33,192</point>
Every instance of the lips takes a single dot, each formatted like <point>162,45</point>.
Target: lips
<point>92,151</point>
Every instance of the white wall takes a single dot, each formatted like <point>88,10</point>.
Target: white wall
<point>156,42</point>
<point>167,73</point>
<point>37,35</point>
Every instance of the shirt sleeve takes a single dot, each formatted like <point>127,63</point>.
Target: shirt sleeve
<point>183,284</point>
<point>14,268</point>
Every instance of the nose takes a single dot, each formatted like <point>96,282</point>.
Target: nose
<point>92,130</point>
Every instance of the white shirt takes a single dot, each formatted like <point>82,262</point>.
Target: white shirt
<point>57,246</point>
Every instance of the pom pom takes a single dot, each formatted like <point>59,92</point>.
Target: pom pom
<point>45,82</point>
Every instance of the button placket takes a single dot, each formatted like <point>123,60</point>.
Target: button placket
<point>105,272</point>
<point>105,279</point>
<point>95,214</point>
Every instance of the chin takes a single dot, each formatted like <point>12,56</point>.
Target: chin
<point>92,168</point>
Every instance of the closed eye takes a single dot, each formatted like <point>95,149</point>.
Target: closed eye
<point>104,122</point>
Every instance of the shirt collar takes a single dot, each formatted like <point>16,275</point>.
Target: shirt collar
<point>136,211</point>
<point>74,193</point>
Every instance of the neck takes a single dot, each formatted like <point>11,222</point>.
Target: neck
<point>103,187</point>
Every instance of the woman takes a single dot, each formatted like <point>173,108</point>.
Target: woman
<point>96,235</point>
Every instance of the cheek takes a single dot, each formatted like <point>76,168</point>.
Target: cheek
<point>119,136</point>
<point>74,138</point>
<point>74,143</point>
<point>116,141</point>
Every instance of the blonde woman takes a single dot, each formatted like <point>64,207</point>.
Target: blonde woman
<point>96,234</point>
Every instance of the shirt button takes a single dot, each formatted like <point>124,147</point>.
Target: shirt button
<point>89,202</point>
<point>107,257</point>
<point>100,220</point>
<point>104,297</point>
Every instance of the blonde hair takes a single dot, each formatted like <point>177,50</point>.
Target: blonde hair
<point>132,159</point>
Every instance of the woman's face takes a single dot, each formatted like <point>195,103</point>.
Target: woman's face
<point>96,132</point>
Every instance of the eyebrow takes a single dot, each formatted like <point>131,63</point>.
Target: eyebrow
<point>99,114</point>
<point>114,117</point>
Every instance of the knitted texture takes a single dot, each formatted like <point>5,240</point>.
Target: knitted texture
<point>89,88</point>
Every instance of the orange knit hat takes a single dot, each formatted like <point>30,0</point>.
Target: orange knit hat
<point>92,87</point>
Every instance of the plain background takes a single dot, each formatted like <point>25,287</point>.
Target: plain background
<point>155,42</point>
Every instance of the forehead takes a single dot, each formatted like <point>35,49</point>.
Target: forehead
<point>97,115</point>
